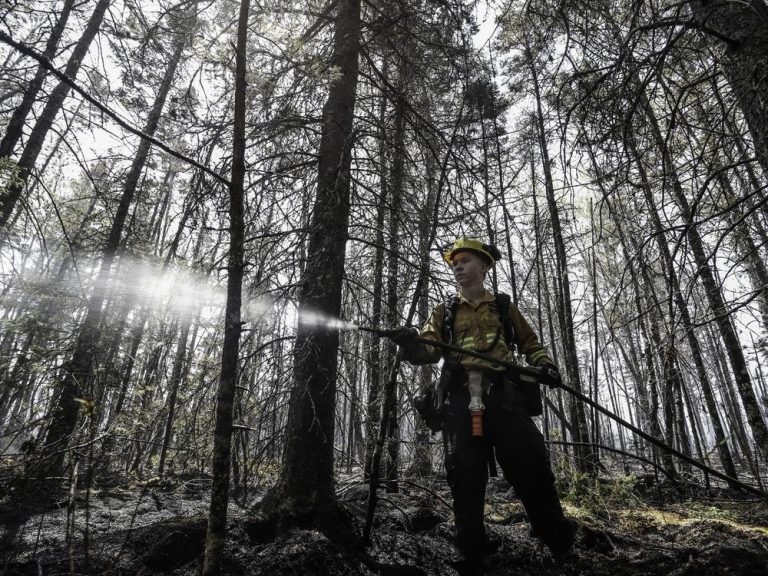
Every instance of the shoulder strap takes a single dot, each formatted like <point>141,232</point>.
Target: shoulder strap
<point>451,306</point>
<point>503,302</point>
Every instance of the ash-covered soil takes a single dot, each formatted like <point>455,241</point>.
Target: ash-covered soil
<point>160,529</point>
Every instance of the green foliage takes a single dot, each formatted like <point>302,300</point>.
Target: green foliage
<point>710,512</point>
<point>594,494</point>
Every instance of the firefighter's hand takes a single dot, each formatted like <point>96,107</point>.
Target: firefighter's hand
<point>550,375</point>
<point>403,336</point>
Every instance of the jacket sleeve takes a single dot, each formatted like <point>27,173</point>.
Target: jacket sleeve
<point>432,330</point>
<point>527,341</point>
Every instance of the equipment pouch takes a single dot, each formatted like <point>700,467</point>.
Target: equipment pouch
<point>428,404</point>
<point>525,390</point>
<point>429,401</point>
<point>532,395</point>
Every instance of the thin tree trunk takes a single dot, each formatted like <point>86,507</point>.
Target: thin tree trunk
<point>16,124</point>
<point>596,351</point>
<point>44,122</point>
<point>502,191</point>
<point>374,343</point>
<point>353,438</point>
<point>543,282</point>
<point>129,360</point>
<point>393,270</point>
<point>587,458</point>
<point>179,361</point>
<point>421,466</point>
<point>754,264</point>
<point>653,352</point>
<point>732,411</point>
<point>230,349</point>
<point>614,397</point>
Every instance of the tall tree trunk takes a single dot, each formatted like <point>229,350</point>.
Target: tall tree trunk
<point>421,465</point>
<point>683,438</point>
<point>482,110</point>
<point>655,355</point>
<point>754,265</point>
<point>179,361</point>
<point>48,115</point>
<point>13,387</point>
<point>502,189</point>
<point>587,458</point>
<point>648,418</point>
<point>734,416</point>
<point>596,346</point>
<point>143,428</point>
<point>354,435</point>
<point>230,349</point>
<point>393,269</point>
<point>305,487</point>
<point>375,344</point>
<point>670,385</point>
<point>744,28</point>
<point>16,124</point>
<point>129,360</point>
<point>125,373</point>
<point>542,282</point>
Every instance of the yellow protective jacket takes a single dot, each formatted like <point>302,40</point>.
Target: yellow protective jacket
<point>476,328</point>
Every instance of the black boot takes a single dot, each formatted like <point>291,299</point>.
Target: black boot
<point>564,551</point>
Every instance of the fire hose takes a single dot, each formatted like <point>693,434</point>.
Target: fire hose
<point>536,373</point>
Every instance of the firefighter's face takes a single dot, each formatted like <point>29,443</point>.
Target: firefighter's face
<point>468,269</point>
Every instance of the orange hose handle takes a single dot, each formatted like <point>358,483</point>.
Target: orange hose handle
<point>477,423</point>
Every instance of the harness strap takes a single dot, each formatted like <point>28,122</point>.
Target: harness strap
<point>451,306</point>
<point>503,302</point>
<point>499,306</point>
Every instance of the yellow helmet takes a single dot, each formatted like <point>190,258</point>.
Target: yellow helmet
<point>486,251</point>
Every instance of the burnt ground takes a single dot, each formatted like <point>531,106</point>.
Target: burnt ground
<point>159,528</point>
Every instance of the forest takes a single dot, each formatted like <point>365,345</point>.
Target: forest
<point>209,207</point>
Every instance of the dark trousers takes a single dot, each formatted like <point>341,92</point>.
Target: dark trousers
<point>523,458</point>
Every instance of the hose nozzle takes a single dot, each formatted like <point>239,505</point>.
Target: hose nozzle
<point>381,332</point>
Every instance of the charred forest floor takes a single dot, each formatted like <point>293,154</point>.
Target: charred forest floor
<point>625,527</point>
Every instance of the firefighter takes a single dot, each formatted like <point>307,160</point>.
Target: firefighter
<point>487,410</point>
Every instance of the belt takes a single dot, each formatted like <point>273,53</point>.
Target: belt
<point>459,380</point>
